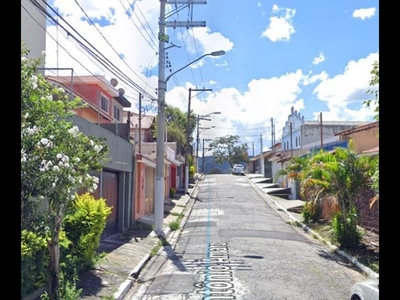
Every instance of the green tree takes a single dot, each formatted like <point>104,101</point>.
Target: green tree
<point>374,84</point>
<point>56,159</point>
<point>229,149</point>
<point>293,169</point>
<point>341,174</point>
<point>176,123</point>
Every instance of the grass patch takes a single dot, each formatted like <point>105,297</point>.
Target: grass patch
<point>174,225</point>
<point>180,215</point>
<point>161,243</point>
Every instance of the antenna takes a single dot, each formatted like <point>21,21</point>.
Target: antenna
<point>114,82</point>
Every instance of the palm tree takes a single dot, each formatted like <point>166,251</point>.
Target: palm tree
<point>342,174</point>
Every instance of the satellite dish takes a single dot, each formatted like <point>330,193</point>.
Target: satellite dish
<point>121,91</point>
<point>114,82</point>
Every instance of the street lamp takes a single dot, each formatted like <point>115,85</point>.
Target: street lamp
<point>162,87</point>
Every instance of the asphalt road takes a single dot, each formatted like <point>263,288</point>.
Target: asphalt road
<point>236,246</point>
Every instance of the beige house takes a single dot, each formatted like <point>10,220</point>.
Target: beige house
<point>365,137</point>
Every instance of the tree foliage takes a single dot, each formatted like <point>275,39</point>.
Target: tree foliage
<point>374,84</point>
<point>176,125</point>
<point>340,174</point>
<point>229,149</point>
<point>56,159</point>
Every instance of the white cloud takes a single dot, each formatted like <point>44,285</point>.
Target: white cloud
<point>138,56</point>
<point>319,59</point>
<point>314,78</point>
<point>280,28</point>
<point>138,48</point>
<point>206,41</point>
<point>348,88</point>
<point>364,13</point>
<point>263,100</point>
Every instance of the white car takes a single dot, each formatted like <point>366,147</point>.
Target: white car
<point>238,169</point>
<point>365,290</point>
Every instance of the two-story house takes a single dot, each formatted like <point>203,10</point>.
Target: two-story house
<point>102,117</point>
<point>145,163</point>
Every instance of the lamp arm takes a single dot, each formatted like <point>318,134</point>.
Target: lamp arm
<point>185,66</point>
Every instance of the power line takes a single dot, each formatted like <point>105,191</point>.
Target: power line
<point>104,61</point>
<point>197,54</point>
<point>154,45</point>
<point>104,37</point>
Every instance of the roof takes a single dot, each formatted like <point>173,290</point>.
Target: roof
<point>336,123</point>
<point>123,101</point>
<point>371,151</point>
<point>70,81</point>
<point>146,122</point>
<point>358,128</point>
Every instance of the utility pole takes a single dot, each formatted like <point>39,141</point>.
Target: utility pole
<point>272,133</point>
<point>321,131</point>
<point>261,155</point>
<point>187,145</point>
<point>188,136</point>
<point>140,123</point>
<point>291,141</point>
<point>162,86</point>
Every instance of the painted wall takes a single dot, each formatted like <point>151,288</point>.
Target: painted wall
<point>312,133</point>
<point>121,160</point>
<point>120,150</point>
<point>291,132</point>
<point>366,139</point>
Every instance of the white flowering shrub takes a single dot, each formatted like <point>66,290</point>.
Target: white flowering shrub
<point>56,157</point>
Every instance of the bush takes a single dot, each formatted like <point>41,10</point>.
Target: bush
<point>345,229</point>
<point>84,224</point>
<point>192,170</point>
<point>311,212</point>
<point>35,258</point>
<point>172,192</point>
<point>34,262</point>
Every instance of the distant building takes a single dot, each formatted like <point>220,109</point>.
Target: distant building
<point>300,134</point>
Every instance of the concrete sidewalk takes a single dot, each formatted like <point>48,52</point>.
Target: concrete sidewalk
<point>127,253</point>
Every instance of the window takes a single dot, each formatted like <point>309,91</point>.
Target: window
<point>117,113</point>
<point>104,103</point>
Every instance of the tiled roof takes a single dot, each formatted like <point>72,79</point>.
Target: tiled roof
<point>372,150</point>
<point>336,123</point>
<point>147,120</point>
<point>358,128</point>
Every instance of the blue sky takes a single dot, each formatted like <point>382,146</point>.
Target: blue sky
<point>312,55</point>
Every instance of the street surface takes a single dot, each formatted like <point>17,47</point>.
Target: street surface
<point>236,246</point>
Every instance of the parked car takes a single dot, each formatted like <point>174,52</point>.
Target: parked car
<point>238,169</point>
<point>365,290</point>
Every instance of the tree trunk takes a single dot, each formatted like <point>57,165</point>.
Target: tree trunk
<point>54,249</point>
